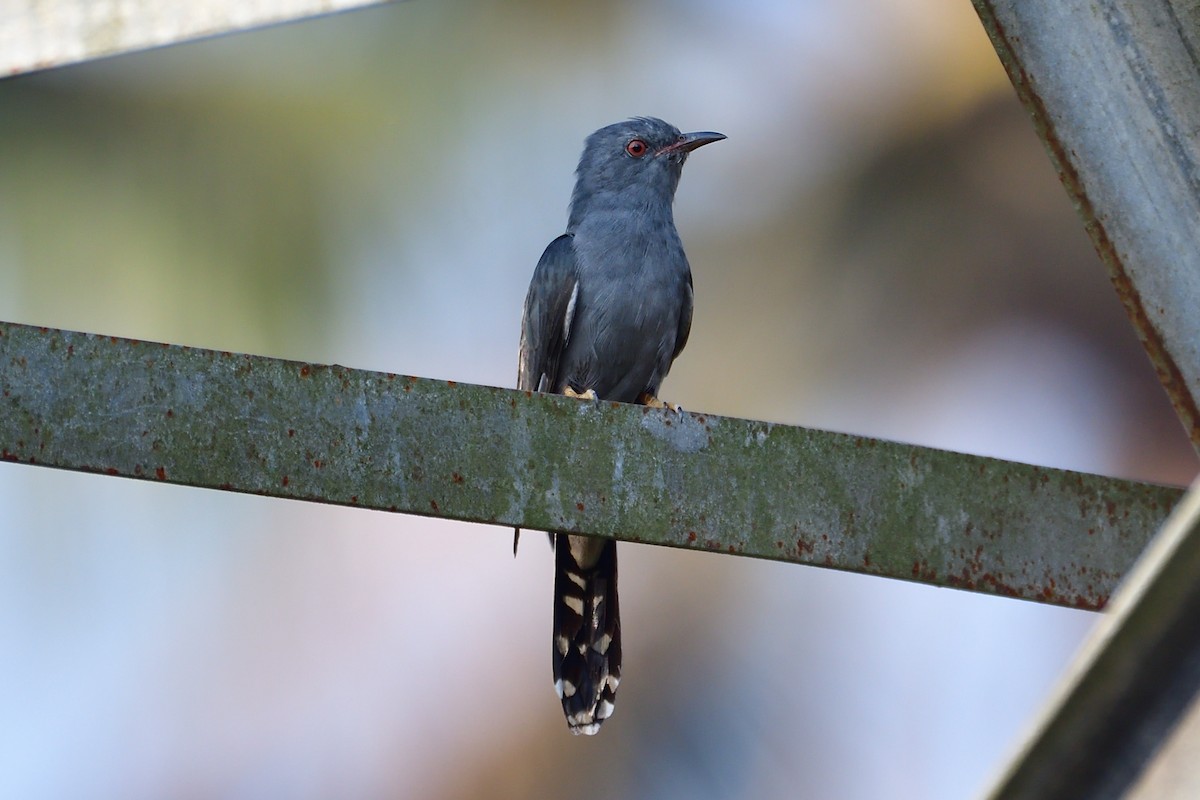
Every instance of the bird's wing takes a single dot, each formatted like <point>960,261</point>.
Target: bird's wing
<point>685,320</point>
<point>549,312</point>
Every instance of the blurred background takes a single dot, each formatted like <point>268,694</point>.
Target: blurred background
<point>880,247</point>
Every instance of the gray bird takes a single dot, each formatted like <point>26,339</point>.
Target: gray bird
<point>608,310</point>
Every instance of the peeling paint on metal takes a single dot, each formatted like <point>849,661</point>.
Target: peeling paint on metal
<point>1124,143</point>
<point>372,440</point>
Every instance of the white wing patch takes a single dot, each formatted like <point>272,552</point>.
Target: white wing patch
<point>566,334</point>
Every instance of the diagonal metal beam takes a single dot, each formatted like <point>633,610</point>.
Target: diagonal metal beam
<point>51,33</point>
<point>1131,682</point>
<point>1114,90</point>
<point>330,434</point>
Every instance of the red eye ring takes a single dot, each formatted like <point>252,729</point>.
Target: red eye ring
<point>636,148</point>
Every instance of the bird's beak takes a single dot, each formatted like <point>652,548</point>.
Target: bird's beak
<point>688,142</point>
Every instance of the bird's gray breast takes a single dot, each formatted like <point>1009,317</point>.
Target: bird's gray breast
<point>633,284</point>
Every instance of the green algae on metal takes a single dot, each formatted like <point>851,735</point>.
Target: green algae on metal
<point>331,434</point>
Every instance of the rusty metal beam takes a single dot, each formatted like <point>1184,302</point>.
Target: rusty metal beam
<point>40,34</point>
<point>1114,90</point>
<point>375,440</point>
<point>1131,682</point>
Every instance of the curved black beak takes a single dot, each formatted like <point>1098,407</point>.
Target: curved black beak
<point>687,142</point>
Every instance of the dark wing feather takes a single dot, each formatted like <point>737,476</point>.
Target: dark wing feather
<point>545,324</point>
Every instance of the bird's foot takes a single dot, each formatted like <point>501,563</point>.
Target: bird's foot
<point>590,394</point>
<point>647,399</point>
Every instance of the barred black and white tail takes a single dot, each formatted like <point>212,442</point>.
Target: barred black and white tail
<point>587,630</point>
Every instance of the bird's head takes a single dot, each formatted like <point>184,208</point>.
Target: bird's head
<point>635,161</point>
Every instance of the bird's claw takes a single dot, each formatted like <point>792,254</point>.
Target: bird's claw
<point>590,394</point>
<point>649,400</point>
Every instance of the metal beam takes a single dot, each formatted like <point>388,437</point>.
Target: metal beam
<point>1114,89</point>
<point>375,440</point>
<point>39,34</point>
<point>1131,682</point>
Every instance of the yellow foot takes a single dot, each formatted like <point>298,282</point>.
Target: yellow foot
<point>647,399</point>
<point>590,394</point>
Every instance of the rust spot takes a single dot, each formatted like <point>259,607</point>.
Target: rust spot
<point>226,486</point>
<point>70,350</point>
<point>451,384</point>
<point>291,432</point>
<point>691,537</point>
<point>456,478</point>
<point>318,463</point>
<point>111,471</point>
<point>305,371</point>
<point>867,559</point>
<point>916,570</point>
<point>286,480</point>
<point>963,582</point>
<point>732,549</point>
<point>433,504</point>
<point>778,545</point>
<point>160,473</point>
<point>579,506</point>
<point>170,413</point>
<point>354,499</point>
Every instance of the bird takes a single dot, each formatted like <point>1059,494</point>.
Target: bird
<point>608,310</point>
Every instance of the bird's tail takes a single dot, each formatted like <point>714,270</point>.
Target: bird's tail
<point>587,630</point>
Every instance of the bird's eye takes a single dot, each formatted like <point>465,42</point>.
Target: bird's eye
<point>636,148</point>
